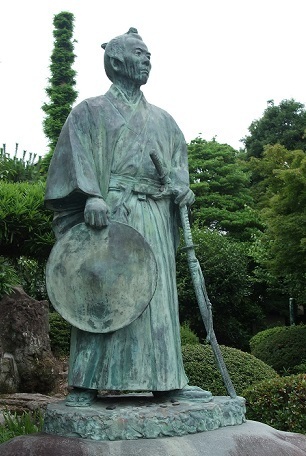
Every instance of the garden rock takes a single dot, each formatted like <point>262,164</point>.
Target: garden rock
<point>25,402</point>
<point>26,361</point>
<point>9,376</point>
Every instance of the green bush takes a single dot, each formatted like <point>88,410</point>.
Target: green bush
<point>8,277</point>
<point>26,423</point>
<point>300,368</point>
<point>25,272</point>
<point>188,336</point>
<point>263,336</point>
<point>16,169</point>
<point>59,334</point>
<point>279,402</point>
<point>244,369</point>
<point>25,225</point>
<point>283,347</point>
<point>31,274</point>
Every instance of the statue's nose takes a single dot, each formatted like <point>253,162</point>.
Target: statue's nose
<point>146,60</point>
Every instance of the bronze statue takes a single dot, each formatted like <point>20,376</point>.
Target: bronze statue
<point>102,173</point>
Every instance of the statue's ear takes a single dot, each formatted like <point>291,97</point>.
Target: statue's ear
<point>116,63</point>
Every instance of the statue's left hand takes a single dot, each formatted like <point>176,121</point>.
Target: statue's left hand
<point>96,212</point>
<point>184,197</point>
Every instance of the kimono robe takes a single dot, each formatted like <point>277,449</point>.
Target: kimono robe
<point>103,150</point>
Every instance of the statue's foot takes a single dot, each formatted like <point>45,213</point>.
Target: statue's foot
<point>188,393</point>
<point>81,397</point>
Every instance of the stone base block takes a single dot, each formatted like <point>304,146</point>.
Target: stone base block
<point>130,417</point>
<point>249,439</point>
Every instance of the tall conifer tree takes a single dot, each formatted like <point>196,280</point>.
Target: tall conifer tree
<point>61,89</point>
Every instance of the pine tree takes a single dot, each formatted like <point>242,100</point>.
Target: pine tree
<point>60,90</point>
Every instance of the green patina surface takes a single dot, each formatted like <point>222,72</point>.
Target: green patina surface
<point>132,417</point>
<point>88,278</point>
<point>101,171</point>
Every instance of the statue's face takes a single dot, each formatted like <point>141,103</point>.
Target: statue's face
<point>136,64</point>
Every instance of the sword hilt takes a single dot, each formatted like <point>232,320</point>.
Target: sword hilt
<point>160,168</point>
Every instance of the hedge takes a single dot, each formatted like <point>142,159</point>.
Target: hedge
<point>244,368</point>
<point>279,402</point>
<point>282,347</point>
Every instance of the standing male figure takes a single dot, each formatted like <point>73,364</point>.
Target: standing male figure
<point>101,170</point>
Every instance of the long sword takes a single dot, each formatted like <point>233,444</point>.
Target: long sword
<point>198,282</point>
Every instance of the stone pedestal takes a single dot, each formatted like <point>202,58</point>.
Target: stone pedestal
<point>129,417</point>
<point>248,439</point>
<point>133,425</point>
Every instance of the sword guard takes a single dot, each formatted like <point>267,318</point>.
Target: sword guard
<point>189,247</point>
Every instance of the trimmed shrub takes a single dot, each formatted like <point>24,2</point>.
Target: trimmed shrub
<point>244,369</point>
<point>59,334</point>
<point>262,336</point>
<point>279,402</point>
<point>188,336</point>
<point>283,347</point>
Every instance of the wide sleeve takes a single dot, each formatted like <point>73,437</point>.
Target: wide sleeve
<point>72,175</point>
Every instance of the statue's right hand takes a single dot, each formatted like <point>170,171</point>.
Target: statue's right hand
<point>96,212</point>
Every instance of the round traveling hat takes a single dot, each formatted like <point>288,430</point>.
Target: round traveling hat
<point>101,280</point>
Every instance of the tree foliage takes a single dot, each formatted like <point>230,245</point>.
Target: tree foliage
<point>275,151</point>
<point>284,124</point>
<point>281,195</point>
<point>225,267</point>
<point>60,91</point>
<point>221,182</point>
<point>264,169</point>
